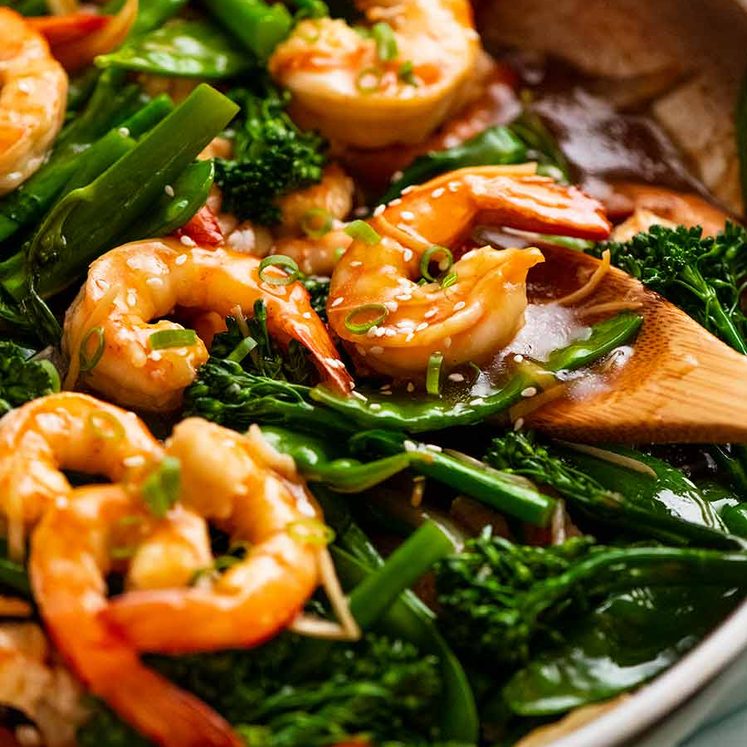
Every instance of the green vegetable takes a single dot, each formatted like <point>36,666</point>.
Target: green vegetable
<point>318,289</point>
<point>161,488</point>
<point>740,131</point>
<point>182,48</point>
<point>704,276</point>
<point>272,156</point>
<point>23,378</point>
<point>259,26</point>
<point>152,14</point>
<point>171,338</point>
<point>668,506</point>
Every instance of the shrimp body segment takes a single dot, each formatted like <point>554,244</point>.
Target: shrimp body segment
<point>71,553</point>
<point>66,431</point>
<point>246,488</point>
<point>33,97</point>
<point>481,310</point>
<point>342,87</point>
<point>129,286</point>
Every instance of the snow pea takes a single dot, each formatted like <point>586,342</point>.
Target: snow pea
<point>183,48</point>
<point>151,14</point>
<point>89,220</point>
<point>417,416</point>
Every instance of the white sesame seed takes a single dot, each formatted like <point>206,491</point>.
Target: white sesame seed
<point>410,387</point>
<point>459,305</point>
<point>456,377</point>
<point>447,342</point>
<point>372,331</point>
<point>468,255</point>
<point>453,186</point>
<point>430,313</point>
<point>410,337</point>
<point>404,297</point>
<point>410,445</point>
<point>395,202</point>
<point>380,332</point>
<point>187,241</point>
<point>408,255</point>
<point>396,176</point>
<point>131,298</point>
<point>155,355</point>
<point>379,210</point>
<point>135,460</point>
<point>377,350</point>
<point>181,259</point>
<point>434,447</point>
<point>356,263</point>
<point>124,131</point>
<point>530,391</point>
<point>336,302</point>
<point>361,350</point>
<point>154,282</point>
<point>438,193</point>
<point>421,326</point>
<point>359,396</point>
<point>518,358</point>
<point>407,215</point>
<point>374,406</point>
<point>306,315</point>
<point>391,306</point>
<point>387,394</point>
<point>477,401</point>
<point>385,387</point>
<point>407,190</point>
<point>391,332</point>
<point>518,424</point>
<point>24,86</point>
<point>169,190</point>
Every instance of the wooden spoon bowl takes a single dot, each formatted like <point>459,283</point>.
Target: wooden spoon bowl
<point>681,384</point>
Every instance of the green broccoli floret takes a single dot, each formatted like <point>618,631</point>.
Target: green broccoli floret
<point>272,156</point>
<point>702,275</point>
<point>23,378</point>
<point>379,689</point>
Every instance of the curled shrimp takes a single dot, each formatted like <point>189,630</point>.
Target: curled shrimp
<point>129,286</point>
<point>250,491</point>
<point>72,551</point>
<point>65,431</point>
<point>33,96</point>
<point>358,93</point>
<point>392,324</point>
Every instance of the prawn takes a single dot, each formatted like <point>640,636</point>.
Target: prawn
<point>135,283</point>
<point>33,97</point>
<point>65,431</point>
<point>252,492</point>
<point>72,551</point>
<point>371,92</point>
<point>392,324</point>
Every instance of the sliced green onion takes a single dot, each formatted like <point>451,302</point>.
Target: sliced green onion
<point>449,279</point>
<point>54,375</point>
<point>286,264</point>
<point>363,31</point>
<point>242,350</point>
<point>316,222</point>
<point>406,73</point>
<point>359,230</point>
<point>386,43</point>
<point>358,328</point>
<point>369,79</point>
<point>87,363</point>
<point>106,426</point>
<point>430,255</point>
<point>161,488</point>
<point>311,531</point>
<point>433,374</point>
<point>172,338</point>
<point>339,252</point>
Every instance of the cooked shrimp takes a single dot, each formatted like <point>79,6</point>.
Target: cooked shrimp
<point>392,324</point>
<point>129,286</point>
<point>250,491</point>
<point>342,87</point>
<point>33,96</point>
<point>66,431</point>
<point>71,554</point>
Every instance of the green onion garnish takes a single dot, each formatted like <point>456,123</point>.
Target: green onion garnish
<point>161,488</point>
<point>430,255</point>
<point>311,531</point>
<point>361,231</point>
<point>449,279</point>
<point>242,350</point>
<point>316,222</point>
<point>172,338</point>
<point>89,362</point>
<point>104,425</point>
<point>286,264</point>
<point>369,79</point>
<point>433,374</point>
<point>386,43</point>
<point>406,73</point>
<point>375,313</point>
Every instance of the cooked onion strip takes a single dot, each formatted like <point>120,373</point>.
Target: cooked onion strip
<point>610,456</point>
<point>573,299</point>
<point>611,307</point>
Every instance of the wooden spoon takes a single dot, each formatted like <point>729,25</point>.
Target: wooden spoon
<point>681,384</point>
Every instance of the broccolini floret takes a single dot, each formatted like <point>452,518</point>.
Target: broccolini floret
<point>23,378</point>
<point>272,157</point>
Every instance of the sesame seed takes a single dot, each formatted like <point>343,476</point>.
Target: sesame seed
<point>410,445</point>
<point>154,282</point>
<point>396,176</point>
<point>530,391</point>
<point>391,332</point>
<point>336,302</point>
<point>377,350</point>
<point>169,190</point>
<point>519,424</point>
<point>407,215</point>
<point>135,460</point>
<point>391,306</point>
<point>434,447</point>
<point>124,131</point>
<point>360,211</point>
<point>477,401</point>
<point>456,377</point>
<point>447,342</point>
<point>24,86</point>
<point>374,406</point>
<point>372,331</point>
<point>306,315</point>
<point>385,387</point>
<point>181,259</point>
<point>438,193</point>
<point>356,263</point>
<point>156,355</point>
<point>359,396</point>
<point>131,298</point>
<point>387,394</point>
<point>410,337</point>
<point>421,326</point>
<point>404,297</point>
<point>407,190</point>
<point>395,202</point>
<point>380,332</point>
<point>379,210</point>
<point>410,387</point>
<point>454,186</point>
<point>187,241</point>
<point>430,313</point>
<point>468,255</point>
<point>459,305</point>
<point>361,351</point>
<point>518,358</point>
<point>408,254</point>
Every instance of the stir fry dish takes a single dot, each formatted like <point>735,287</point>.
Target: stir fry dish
<point>346,400</point>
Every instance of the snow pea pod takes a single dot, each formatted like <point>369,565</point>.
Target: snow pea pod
<point>181,48</point>
<point>89,220</point>
<point>151,14</point>
<point>417,416</point>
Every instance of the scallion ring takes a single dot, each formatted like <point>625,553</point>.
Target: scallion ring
<point>172,338</point>
<point>89,362</point>
<point>316,222</point>
<point>359,230</point>
<point>433,374</point>
<point>369,79</point>
<point>104,425</point>
<point>286,264</point>
<point>449,279</point>
<point>375,313</point>
<point>386,43</point>
<point>431,255</point>
<point>311,531</point>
